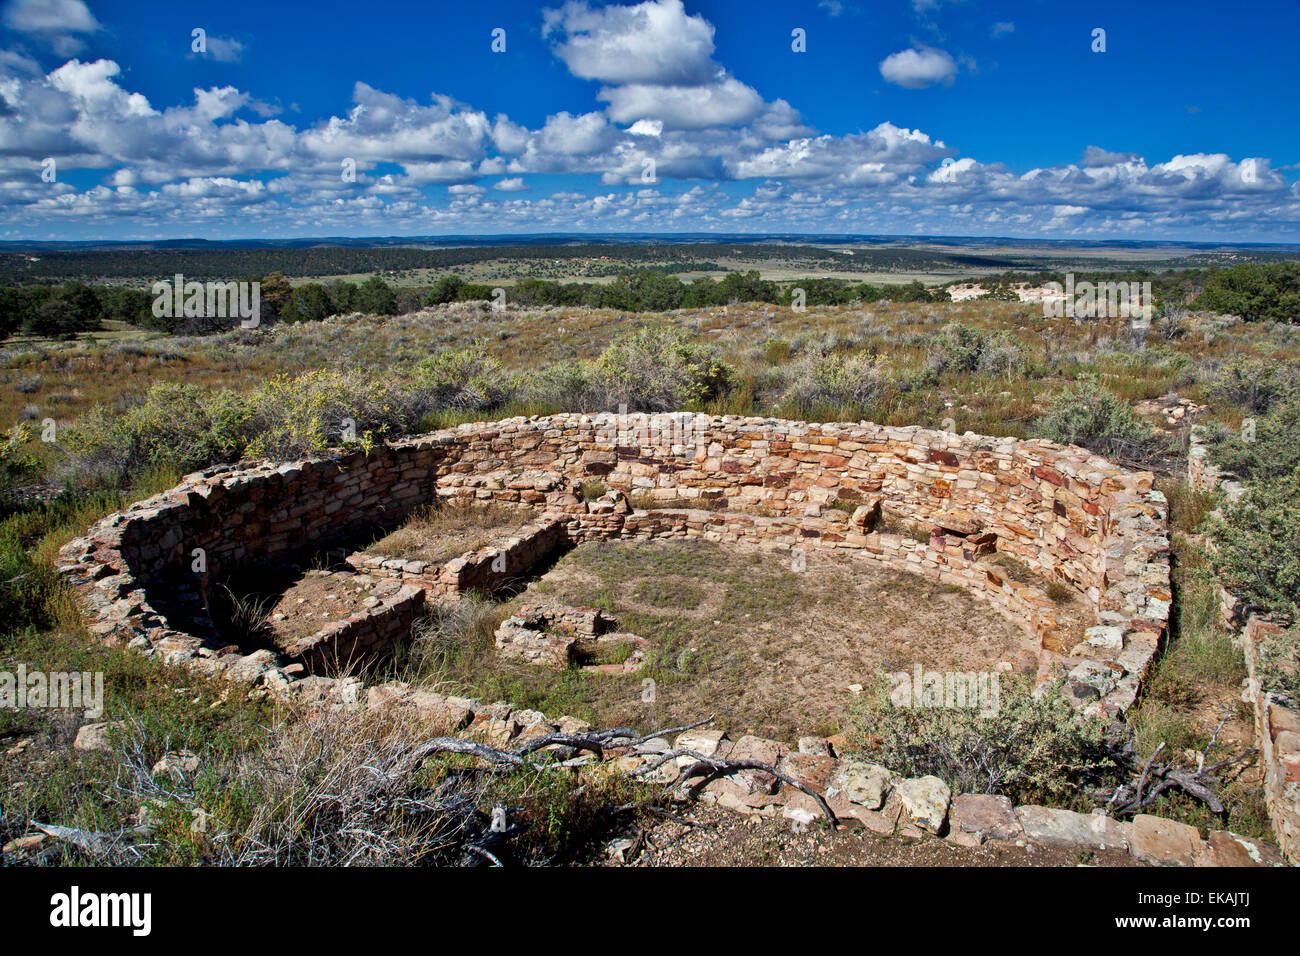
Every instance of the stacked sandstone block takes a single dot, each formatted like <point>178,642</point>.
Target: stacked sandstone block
<point>486,570</point>
<point>361,638</point>
<point>547,634</point>
<point>1277,726</point>
<point>1066,513</point>
<point>1277,730</point>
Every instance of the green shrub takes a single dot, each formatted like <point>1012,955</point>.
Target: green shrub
<point>1000,354</point>
<point>298,416</point>
<point>1089,416</point>
<point>1255,385</point>
<point>17,463</point>
<point>960,349</point>
<point>1257,545</point>
<point>1033,750</point>
<point>1279,658</point>
<point>561,388</point>
<point>657,369</point>
<point>846,383</point>
<point>1271,452</point>
<point>776,351</point>
<point>463,379</point>
<point>178,427</point>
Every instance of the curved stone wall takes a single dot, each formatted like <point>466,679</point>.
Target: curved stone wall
<point>1066,513</point>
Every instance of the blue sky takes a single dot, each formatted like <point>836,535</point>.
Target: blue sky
<point>961,117</point>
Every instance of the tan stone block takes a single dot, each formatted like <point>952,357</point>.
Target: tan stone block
<point>1164,842</point>
<point>1223,848</point>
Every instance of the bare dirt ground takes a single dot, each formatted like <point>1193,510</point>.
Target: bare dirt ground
<point>315,600</point>
<point>722,838</point>
<point>768,649</point>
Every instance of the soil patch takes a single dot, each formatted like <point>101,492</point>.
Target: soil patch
<point>318,598</point>
<point>743,636</point>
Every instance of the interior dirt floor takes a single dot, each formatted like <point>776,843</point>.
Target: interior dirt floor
<point>436,535</point>
<point>766,648</point>
<point>707,836</point>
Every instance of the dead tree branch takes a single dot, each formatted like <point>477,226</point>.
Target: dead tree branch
<point>1155,777</point>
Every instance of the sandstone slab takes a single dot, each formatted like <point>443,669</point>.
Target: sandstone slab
<point>95,737</point>
<point>984,817</point>
<point>1164,842</point>
<point>811,770</point>
<point>925,801</point>
<point>857,781</point>
<point>1222,848</point>
<point>1065,828</point>
<point>882,822</point>
<point>762,750</point>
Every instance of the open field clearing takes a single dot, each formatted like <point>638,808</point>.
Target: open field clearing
<point>777,355</point>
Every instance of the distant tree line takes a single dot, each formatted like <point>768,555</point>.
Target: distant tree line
<point>248,263</point>
<point>59,311</point>
<point>352,260</point>
<point>63,311</point>
<point>1255,292</point>
<point>655,291</point>
<point>649,290</point>
<point>1269,292</point>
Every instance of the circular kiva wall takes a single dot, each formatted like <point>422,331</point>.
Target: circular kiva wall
<point>1069,515</point>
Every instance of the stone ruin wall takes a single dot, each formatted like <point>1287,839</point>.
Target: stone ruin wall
<point>1066,513</point>
<point>1277,726</point>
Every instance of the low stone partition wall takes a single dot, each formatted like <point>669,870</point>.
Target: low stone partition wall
<point>486,570</point>
<point>1202,473</point>
<point>1277,727</point>
<point>361,638</point>
<point>1277,730</point>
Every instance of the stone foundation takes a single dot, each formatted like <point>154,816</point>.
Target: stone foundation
<point>560,636</point>
<point>1277,728</point>
<point>1277,732</point>
<point>362,638</point>
<point>1069,515</point>
<point>486,570</point>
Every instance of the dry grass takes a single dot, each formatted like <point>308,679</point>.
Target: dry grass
<point>739,634</point>
<point>438,533</point>
<point>64,380</point>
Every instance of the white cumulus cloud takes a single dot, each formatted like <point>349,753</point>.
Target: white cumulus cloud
<point>652,42</point>
<point>919,67</point>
